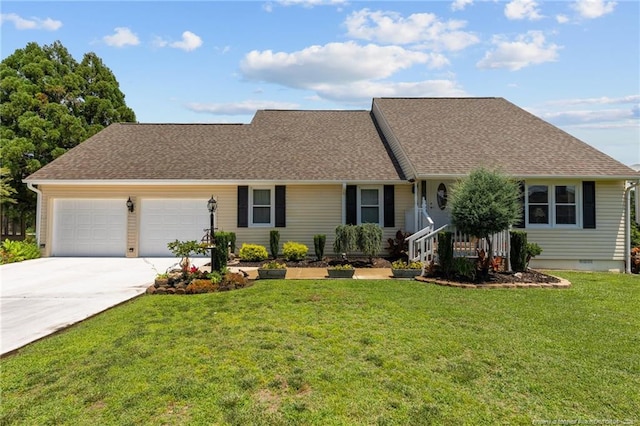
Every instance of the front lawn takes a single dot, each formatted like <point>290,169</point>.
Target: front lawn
<point>340,352</point>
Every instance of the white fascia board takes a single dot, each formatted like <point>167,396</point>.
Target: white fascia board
<point>156,182</point>
<point>525,177</point>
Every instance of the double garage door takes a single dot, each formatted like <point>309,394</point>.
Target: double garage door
<point>98,227</point>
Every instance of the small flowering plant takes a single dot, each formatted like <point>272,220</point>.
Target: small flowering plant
<point>344,267</point>
<point>274,265</point>
<point>401,264</point>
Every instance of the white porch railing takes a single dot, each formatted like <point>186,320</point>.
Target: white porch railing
<point>423,245</point>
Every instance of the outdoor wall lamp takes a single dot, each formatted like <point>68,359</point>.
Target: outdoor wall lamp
<point>130,205</point>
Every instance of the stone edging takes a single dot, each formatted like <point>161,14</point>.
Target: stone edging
<point>562,284</point>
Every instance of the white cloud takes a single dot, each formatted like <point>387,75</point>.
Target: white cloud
<point>418,28</point>
<point>562,19</point>
<point>593,113</point>
<point>123,36</point>
<point>460,4</point>
<point>594,118</point>
<point>189,42</point>
<point>604,100</point>
<point>522,9</point>
<point>526,50</point>
<point>333,63</point>
<point>311,3</point>
<point>365,90</point>
<point>238,108</point>
<point>33,23</point>
<point>591,9</point>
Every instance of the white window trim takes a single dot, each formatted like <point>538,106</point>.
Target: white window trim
<point>380,189</point>
<point>272,196</point>
<point>552,206</point>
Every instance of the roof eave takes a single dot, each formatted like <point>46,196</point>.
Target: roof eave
<point>206,182</point>
<point>525,177</point>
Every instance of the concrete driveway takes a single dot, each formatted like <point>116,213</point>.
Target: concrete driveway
<point>41,296</point>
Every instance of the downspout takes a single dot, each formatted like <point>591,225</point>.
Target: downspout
<point>38,209</point>
<point>627,225</point>
<point>416,213</point>
<point>344,203</point>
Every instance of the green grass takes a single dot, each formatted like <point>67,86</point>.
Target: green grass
<point>342,352</point>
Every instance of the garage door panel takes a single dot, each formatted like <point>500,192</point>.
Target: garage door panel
<point>89,227</point>
<point>163,221</point>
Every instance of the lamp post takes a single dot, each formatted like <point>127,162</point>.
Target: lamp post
<point>212,205</point>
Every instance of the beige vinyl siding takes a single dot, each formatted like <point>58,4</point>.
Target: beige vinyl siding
<point>605,242</point>
<point>317,209</point>
<point>310,210</point>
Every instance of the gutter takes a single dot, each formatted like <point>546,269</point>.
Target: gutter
<point>38,209</point>
<point>627,224</point>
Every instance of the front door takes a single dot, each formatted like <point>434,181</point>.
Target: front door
<point>437,201</point>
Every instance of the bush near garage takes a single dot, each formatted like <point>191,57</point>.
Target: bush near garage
<point>18,251</point>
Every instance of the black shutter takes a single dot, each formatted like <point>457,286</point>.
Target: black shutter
<point>281,206</point>
<point>423,191</point>
<point>243,206</point>
<point>389,206</point>
<point>589,204</point>
<point>352,205</point>
<point>520,223</point>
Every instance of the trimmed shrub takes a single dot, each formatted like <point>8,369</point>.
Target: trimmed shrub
<point>294,251</point>
<point>253,253</point>
<point>533,250</point>
<point>445,252</point>
<point>318,244</point>
<point>274,242</point>
<point>221,251</point>
<point>369,239</point>
<point>231,239</point>
<point>518,252</point>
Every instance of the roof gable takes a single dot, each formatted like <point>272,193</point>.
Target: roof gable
<point>453,136</point>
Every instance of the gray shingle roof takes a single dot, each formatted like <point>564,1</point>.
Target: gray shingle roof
<point>440,136</point>
<point>452,136</point>
<point>277,145</point>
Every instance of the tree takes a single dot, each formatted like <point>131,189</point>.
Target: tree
<point>484,203</point>
<point>50,103</point>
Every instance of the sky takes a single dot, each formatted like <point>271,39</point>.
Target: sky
<point>575,64</point>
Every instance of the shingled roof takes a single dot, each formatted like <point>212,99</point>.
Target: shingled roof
<point>453,136</point>
<point>275,146</point>
<point>428,136</point>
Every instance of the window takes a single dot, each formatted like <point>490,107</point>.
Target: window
<point>261,203</point>
<point>552,205</point>
<point>369,206</point>
<point>538,199</point>
<point>566,205</point>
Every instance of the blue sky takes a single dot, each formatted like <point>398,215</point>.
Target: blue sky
<point>575,64</point>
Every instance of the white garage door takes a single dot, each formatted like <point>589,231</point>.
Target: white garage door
<point>89,227</point>
<point>163,221</point>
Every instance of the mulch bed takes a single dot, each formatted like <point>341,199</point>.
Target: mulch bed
<point>530,278</point>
